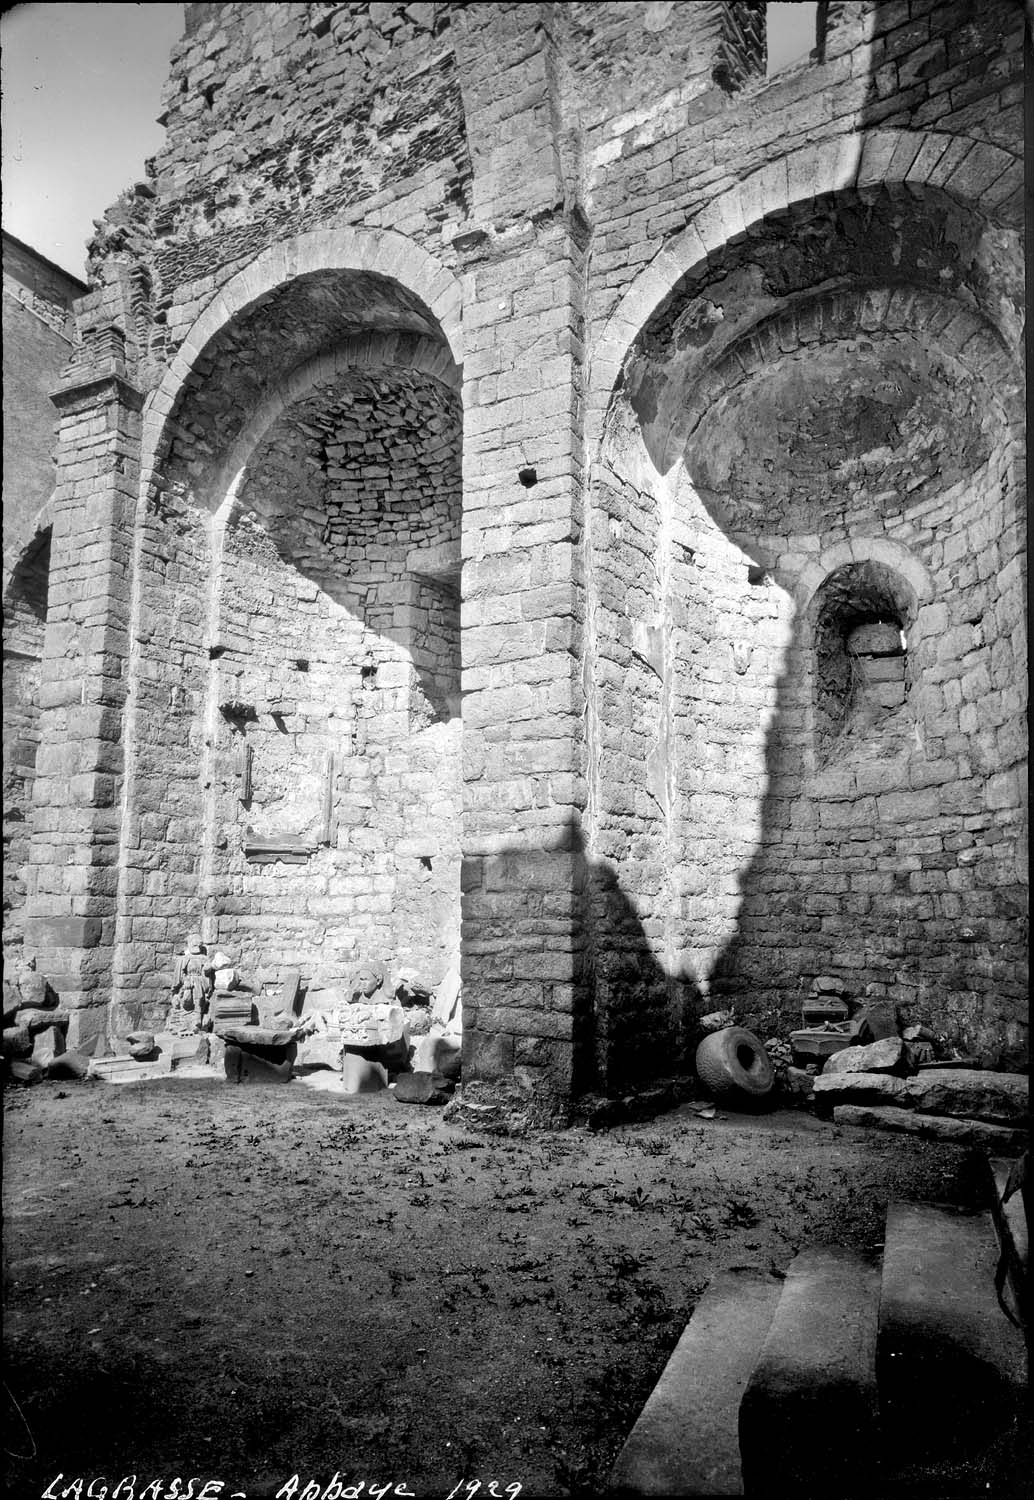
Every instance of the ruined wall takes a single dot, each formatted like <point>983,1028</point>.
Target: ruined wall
<point>25,619</point>
<point>709,327</point>
<point>38,332</point>
<point>338,675</point>
<point>890,65</point>
<point>295,116</point>
<point>818,439</point>
<point>837,449</point>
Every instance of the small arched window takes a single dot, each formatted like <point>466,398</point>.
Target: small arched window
<point>861,616</point>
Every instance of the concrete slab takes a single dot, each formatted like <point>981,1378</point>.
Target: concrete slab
<point>809,1416</point>
<point>946,1349</point>
<point>686,1442</point>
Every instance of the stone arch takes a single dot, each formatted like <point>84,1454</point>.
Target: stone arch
<point>975,172</point>
<point>883,551</point>
<point>374,351</point>
<point>857,632</point>
<point>385,252</point>
<point>780,905</point>
<point>42,522</point>
<point>349,307</point>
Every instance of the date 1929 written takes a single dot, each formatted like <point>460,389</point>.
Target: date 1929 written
<point>467,1489</point>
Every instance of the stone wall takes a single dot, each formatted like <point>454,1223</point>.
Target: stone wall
<point>820,442</point>
<point>25,620</point>
<point>705,328</point>
<point>338,676</point>
<point>38,330</point>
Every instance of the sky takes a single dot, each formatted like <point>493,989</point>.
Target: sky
<point>82,90</point>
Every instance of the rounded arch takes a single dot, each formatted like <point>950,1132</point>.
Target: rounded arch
<point>974,172</point>
<point>865,549</point>
<point>383,252</point>
<point>27,546</point>
<point>373,351</point>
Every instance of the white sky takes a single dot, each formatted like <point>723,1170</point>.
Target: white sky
<point>791,32</point>
<point>81,93</point>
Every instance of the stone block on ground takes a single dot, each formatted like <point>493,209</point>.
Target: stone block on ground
<point>998,1098</point>
<point>425,1053</point>
<point>361,1073</point>
<point>233,1008</point>
<point>289,991</point>
<point>48,1043</point>
<point>68,1065</point>
<point>828,984</point>
<point>257,1064</point>
<point>17,1041</point>
<point>818,1009</point>
<point>859,1088</point>
<point>876,1022</point>
<point>945,1346</point>
<point>35,991</point>
<point>322,1050</point>
<point>128,1069</point>
<point>142,1045</point>
<point>13,1003</point>
<point>814,1045</point>
<point>422,1088</point>
<point>183,1050</point>
<point>685,1442</point>
<point>799,1082</point>
<point>258,1036</point>
<point>37,1018</point>
<point>886,1056</point>
<point>371,1024</point>
<point>20,1071</point>
<point>931,1127</point>
<point>809,1415</point>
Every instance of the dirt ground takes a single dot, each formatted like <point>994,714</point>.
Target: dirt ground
<point>247,1284</point>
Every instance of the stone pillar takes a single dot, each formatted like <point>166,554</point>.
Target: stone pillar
<point>522,599</point>
<point>74,853</point>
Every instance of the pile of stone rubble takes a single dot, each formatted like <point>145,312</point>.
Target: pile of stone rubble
<point>871,1065</point>
<point>351,1039</point>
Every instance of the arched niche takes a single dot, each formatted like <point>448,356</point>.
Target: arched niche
<point>297,616</point>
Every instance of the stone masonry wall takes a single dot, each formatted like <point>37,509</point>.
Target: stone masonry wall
<point>331,729</point>
<point>38,333</point>
<point>588,204</point>
<point>25,619</point>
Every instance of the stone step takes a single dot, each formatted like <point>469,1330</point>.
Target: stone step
<point>951,1366</point>
<point>685,1442</point>
<point>1012,1233</point>
<point>808,1421</point>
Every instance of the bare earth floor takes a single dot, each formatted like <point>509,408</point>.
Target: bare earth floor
<point>247,1284</point>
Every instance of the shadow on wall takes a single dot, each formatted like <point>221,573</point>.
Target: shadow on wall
<point>566,1013</point>
<point>889,828</point>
